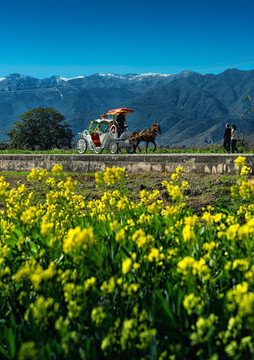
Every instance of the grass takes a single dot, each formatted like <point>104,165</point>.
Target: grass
<point>215,149</point>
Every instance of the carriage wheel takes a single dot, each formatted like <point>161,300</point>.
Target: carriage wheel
<point>113,147</point>
<point>131,149</point>
<point>81,146</point>
<point>98,149</point>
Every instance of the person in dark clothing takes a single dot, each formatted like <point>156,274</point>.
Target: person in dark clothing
<point>234,138</point>
<point>226,138</point>
<point>121,122</point>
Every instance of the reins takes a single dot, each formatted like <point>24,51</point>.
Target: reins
<point>152,133</point>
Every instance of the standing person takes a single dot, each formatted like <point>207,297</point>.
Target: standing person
<point>226,139</point>
<point>120,121</point>
<point>234,138</point>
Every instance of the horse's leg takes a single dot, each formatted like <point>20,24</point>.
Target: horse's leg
<point>153,141</point>
<point>137,144</point>
<point>146,146</point>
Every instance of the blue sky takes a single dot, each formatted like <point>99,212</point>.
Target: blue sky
<point>71,38</point>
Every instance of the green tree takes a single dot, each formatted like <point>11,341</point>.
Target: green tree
<point>41,128</point>
<point>246,111</point>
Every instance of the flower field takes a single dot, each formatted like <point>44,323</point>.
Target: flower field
<point>116,279</point>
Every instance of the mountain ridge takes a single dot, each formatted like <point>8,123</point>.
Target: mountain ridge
<point>192,108</point>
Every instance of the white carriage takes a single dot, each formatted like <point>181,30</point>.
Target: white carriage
<point>103,135</point>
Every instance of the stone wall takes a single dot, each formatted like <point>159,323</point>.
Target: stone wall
<point>89,163</point>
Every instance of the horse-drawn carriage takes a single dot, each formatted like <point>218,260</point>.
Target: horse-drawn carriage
<point>103,134</point>
<point>106,134</point>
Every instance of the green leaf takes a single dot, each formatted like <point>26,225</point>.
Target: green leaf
<point>4,352</point>
<point>10,339</point>
<point>163,307</point>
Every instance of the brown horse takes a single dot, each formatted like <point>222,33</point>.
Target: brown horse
<point>146,135</point>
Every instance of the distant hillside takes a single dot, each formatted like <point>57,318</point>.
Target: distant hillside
<point>191,108</point>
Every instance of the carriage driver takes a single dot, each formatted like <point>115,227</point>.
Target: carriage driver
<point>121,122</point>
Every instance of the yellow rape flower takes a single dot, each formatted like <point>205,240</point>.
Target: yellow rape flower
<point>40,174</point>
<point>136,266</point>
<point>209,247</point>
<point>146,336</point>
<point>188,233</point>
<point>203,326</point>
<point>114,225</point>
<point>190,266</point>
<point>175,177</point>
<point>51,182</point>
<point>69,184</point>
<point>108,287</point>
<point>179,169</point>
<point>141,239</point>
<point>35,273</point>
<point>201,269</point>
<point>154,207</point>
<point>191,220</point>
<point>46,227</point>
<point>246,306</point>
<point>237,293</point>
<point>119,281</point>
<point>78,238</point>
<point>110,176</point>
<point>241,264</point>
<point>185,184</point>
<point>130,223</point>
<point>57,170</point>
<point>249,275</point>
<point>28,215</point>
<point>154,255</point>
<point>245,170</point>
<point>144,219</point>
<point>246,189</point>
<point>120,235</point>
<point>99,178</point>
<point>184,266</point>
<point>232,232</point>
<point>42,309</point>
<point>240,161</point>
<point>132,288</point>
<point>122,204</point>
<point>126,265</point>
<point>231,348</point>
<point>242,298</point>
<point>4,186</point>
<point>22,188</point>
<point>89,283</point>
<point>98,315</point>
<point>190,302</point>
<point>28,350</point>
<point>146,196</point>
<point>174,191</point>
<point>128,332</point>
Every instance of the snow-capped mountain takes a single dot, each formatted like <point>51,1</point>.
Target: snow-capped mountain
<point>191,108</point>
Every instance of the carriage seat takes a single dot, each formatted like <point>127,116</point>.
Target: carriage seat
<point>96,139</point>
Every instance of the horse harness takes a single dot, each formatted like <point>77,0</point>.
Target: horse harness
<point>145,132</point>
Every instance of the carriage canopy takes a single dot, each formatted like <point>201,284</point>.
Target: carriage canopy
<point>119,111</point>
